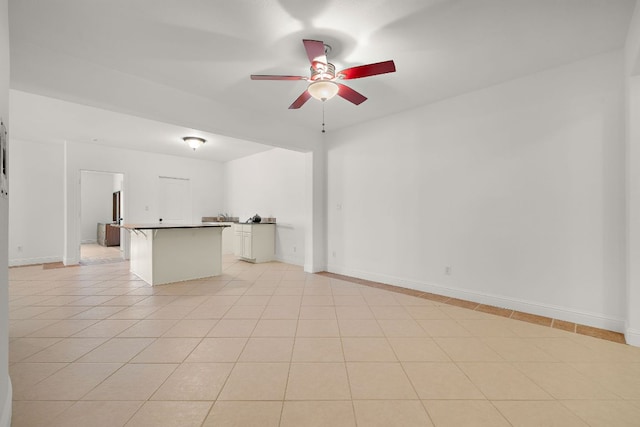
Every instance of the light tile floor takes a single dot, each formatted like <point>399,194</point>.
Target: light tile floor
<point>269,345</point>
<point>93,253</point>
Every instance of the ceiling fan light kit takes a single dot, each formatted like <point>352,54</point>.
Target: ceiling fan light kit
<point>323,89</point>
<point>324,79</point>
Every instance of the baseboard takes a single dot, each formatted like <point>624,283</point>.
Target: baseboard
<point>31,261</point>
<point>289,260</point>
<point>88,241</point>
<point>70,261</point>
<point>555,312</point>
<point>632,336</point>
<point>311,268</point>
<point>5,417</point>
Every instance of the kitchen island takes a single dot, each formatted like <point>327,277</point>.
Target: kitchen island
<point>167,253</point>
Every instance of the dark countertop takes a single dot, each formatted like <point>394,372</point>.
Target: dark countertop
<point>220,219</point>
<point>160,226</point>
<point>235,220</point>
<point>256,223</point>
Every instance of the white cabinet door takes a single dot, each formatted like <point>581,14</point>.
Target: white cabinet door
<point>247,249</point>
<point>254,242</point>
<point>238,243</point>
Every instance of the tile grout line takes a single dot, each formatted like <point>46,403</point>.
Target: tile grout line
<point>344,357</point>
<point>295,337</point>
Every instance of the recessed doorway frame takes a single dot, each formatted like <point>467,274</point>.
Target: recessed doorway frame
<point>124,236</point>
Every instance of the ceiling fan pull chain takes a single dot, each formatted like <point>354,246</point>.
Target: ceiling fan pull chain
<point>322,116</point>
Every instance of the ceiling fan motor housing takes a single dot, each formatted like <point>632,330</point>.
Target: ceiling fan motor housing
<point>320,71</point>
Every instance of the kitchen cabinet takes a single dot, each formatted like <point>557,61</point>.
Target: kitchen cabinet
<point>165,253</point>
<point>254,242</point>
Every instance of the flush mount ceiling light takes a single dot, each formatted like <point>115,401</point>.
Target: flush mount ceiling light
<point>194,141</point>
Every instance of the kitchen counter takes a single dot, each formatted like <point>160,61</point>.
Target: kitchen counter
<point>161,226</point>
<point>251,223</point>
<point>167,253</point>
<point>234,220</point>
<point>220,219</point>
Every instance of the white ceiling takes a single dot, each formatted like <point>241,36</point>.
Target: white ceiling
<point>38,118</point>
<point>182,66</point>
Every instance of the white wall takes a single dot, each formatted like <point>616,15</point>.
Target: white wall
<point>271,184</point>
<point>5,383</point>
<point>632,331</point>
<point>37,203</point>
<point>96,203</point>
<point>632,92</point>
<point>519,188</point>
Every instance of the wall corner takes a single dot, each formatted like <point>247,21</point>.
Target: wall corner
<point>5,417</point>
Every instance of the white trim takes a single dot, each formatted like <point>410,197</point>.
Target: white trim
<point>70,261</point>
<point>289,260</point>
<point>5,417</point>
<point>31,261</point>
<point>595,320</point>
<point>632,336</point>
<point>310,268</point>
<point>88,241</point>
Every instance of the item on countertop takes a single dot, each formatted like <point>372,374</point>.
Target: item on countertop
<point>256,218</point>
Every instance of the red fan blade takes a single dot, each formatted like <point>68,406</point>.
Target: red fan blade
<point>368,70</point>
<point>300,101</point>
<point>269,77</point>
<point>350,95</point>
<point>315,51</point>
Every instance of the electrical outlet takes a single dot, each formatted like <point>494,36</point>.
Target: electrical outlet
<point>334,254</point>
<point>447,270</point>
<point>294,249</point>
<point>19,248</point>
<point>146,208</point>
<point>339,206</point>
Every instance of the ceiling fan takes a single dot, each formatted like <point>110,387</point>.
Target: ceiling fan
<point>324,81</point>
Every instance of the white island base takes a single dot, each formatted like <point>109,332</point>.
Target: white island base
<point>168,254</point>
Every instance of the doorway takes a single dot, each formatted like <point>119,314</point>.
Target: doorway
<point>101,209</point>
